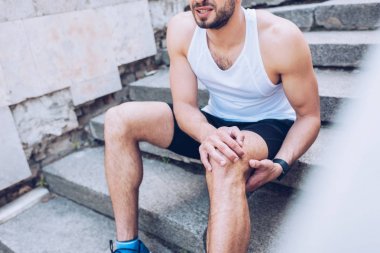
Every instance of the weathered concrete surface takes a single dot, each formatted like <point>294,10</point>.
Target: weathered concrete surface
<point>13,164</point>
<point>81,48</point>
<point>333,15</point>
<point>302,16</point>
<point>49,115</point>
<point>87,90</point>
<point>60,225</point>
<point>173,202</point>
<point>21,78</point>
<point>132,33</point>
<point>340,48</point>
<point>348,15</point>
<point>162,11</point>
<point>167,206</point>
<point>16,9</point>
<point>21,204</point>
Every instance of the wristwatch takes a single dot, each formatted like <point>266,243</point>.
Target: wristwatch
<point>284,165</point>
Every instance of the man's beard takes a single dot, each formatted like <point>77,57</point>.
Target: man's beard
<point>223,15</point>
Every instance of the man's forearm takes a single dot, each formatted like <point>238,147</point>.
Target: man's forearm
<point>299,138</point>
<point>191,120</point>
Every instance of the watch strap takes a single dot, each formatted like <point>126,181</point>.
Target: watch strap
<point>285,167</point>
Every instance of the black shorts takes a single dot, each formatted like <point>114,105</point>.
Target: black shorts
<point>273,131</point>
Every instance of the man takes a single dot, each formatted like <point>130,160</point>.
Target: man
<point>258,70</point>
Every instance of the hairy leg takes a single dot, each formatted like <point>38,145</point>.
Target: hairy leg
<point>125,126</point>
<point>229,223</point>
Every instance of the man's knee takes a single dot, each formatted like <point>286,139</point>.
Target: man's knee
<point>114,124</point>
<point>254,147</point>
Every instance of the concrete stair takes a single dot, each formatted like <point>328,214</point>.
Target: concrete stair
<point>60,225</point>
<point>173,201</point>
<point>333,15</point>
<point>173,197</point>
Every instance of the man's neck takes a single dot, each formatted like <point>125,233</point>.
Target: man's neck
<point>232,34</point>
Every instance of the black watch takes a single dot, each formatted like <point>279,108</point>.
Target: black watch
<point>284,165</point>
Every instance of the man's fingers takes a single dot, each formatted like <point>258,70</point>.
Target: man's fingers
<point>205,161</point>
<point>214,154</point>
<point>238,135</point>
<point>263,164</point>
<point>232,143</point>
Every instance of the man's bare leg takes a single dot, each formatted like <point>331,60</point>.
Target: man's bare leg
<point>229,224</point>
<point>125,126</point>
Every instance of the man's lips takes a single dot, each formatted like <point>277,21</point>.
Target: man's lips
<point>203,11</point>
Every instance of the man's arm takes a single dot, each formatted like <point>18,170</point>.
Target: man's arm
<point>184,90</point>
<point>300,86</point>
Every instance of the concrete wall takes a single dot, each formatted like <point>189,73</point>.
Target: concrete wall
<point>57,60</point>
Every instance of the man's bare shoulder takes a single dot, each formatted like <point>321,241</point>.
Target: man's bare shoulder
<point>180,31</point>
<point>280,39</point>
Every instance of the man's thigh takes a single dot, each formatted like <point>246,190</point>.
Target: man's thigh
<point>144,121</point>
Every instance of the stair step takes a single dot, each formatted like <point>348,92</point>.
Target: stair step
<point>333,15</point>
<point>340,48</point>
<point>294,179</point>
<point>60,225</point>
<point>335,88</point>
<point>173,202</point>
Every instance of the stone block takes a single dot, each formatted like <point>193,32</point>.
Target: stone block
<point>21,78</point>
<point>16,9</point>
<point>343,15</point>
<point>162,11</point>
<point>71,46</point>
<point>340,48</point>
<point>46,7</point>
<point>269,2</point>
<point>132,33</point>
<point>13,164</point>
<point>41,117</point>
<point>94,88</point>
<point>302,17</point>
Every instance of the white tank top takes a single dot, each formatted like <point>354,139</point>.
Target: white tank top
<point>244,92</point>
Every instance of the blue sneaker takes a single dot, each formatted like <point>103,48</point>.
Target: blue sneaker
<point>139,247</point>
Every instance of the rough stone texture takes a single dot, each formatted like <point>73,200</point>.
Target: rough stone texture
<point>91,89</point>
<point>340,49</point>
<point>132,33</point>
<point>162,11</point>
<point>48,115</point>
<point>81,48</point>
<point>348,15</point>
<point>16,9</point>
<point>302,16</point>
<point>173,202</point>
<point>97,127</point>
<point>13,164</point>
<point>333,15</point>
<point>264,2</point>
<point>42,228</point>
<point>21,77</point>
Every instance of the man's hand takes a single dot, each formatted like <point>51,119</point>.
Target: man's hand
<point>265,171</point>
<point>224,143</point>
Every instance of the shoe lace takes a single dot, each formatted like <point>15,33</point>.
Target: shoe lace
<point>120,250</point>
